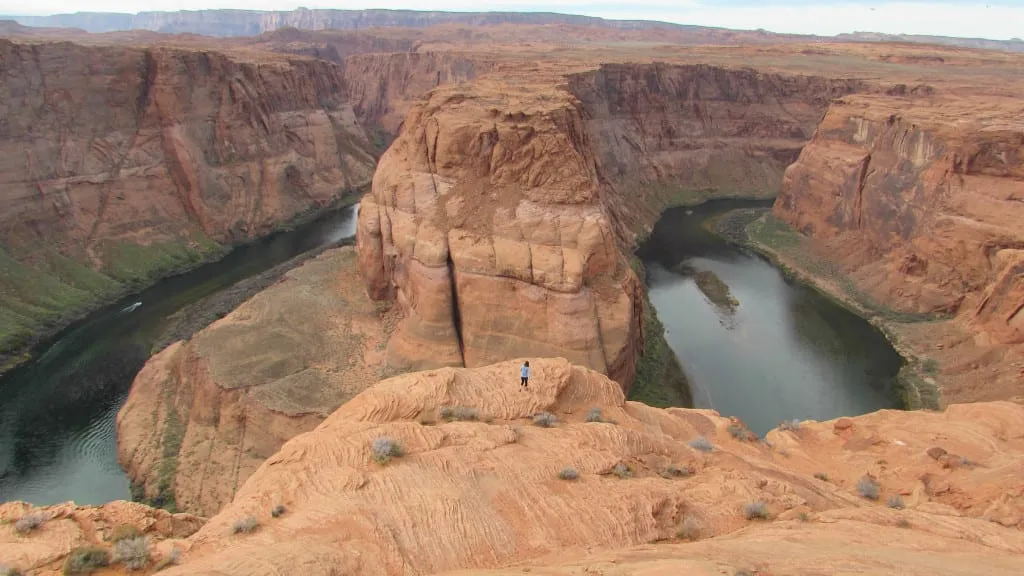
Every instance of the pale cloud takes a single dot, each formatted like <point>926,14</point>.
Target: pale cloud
<point>999,19</point>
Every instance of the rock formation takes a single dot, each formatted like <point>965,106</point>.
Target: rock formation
<point>119,164</point>
<point>924,215</point>
<point>919,492</point>
<point>485,225</point>
<point>203,414</point>
<point>64,527</point>
<point>666,134</point>
<point>502,216</point>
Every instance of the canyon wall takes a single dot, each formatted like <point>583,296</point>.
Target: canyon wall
<point>252,22</point>
<point>120,164</point>
<point>383,87</point>
<point>666,134</point>
<point>935,210</point>
<point>485,225</point>
<point>920,202</point>
<point>642,491</point>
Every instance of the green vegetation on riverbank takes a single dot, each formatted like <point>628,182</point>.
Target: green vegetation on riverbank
<point>660,380</point>
<point>42,290</point>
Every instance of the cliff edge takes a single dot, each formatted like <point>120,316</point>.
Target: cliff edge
<point>481,483</point>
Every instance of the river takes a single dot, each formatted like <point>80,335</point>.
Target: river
<point>771,349</point>
<point>57,416</point>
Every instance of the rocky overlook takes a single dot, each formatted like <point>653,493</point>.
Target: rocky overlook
<point>479,484</point>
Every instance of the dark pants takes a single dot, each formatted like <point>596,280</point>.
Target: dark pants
<point>524,380</point>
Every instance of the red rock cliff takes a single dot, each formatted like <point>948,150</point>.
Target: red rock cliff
<point>104,149</point>
<point>496,217</point>
<point>920,203</point>
<point>664,133</point>
<point>485,224</point>
<point>930,211</point>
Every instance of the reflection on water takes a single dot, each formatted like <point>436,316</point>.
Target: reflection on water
<point>57,415</point>
<point>784,352</point>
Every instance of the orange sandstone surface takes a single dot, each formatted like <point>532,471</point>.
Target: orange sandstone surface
<point>484,495</point>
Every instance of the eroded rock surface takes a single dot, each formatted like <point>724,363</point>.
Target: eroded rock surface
<point>64,527</point>
<point>203,414</point>
<point>923,212</point>
<point>121,163</point>
<point>665,134</point>
<point>485,224</point>
<point>485,494</point>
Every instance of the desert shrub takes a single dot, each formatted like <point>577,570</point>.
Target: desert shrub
<point>701,443</point>
<point>793,424</point>
<point>744,573</point>
<point>6,570</point>
<point>804,516</point>
<point>245,525</point>
<point>85,559</point>
<point>568,473</point>
<point>124,532</point>
<point>740,433</point>
<point>756,511</point>
<point>545,419</point>
<point>903,523</point>
<point>689,529</point>
<point>674,471</point>
<point>132,552</point>
<point>278,511</point>
<point>868,488</point>
<point>172,558</point>
<point>622,471</point>
<point>384,449</point>
<point>821,476</point>
<point>896,502</point>
<point>594,415</point>
<point>30,522</point>
<point>465,413</point>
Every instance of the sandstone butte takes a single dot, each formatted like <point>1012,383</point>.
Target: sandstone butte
<point>483,496</point>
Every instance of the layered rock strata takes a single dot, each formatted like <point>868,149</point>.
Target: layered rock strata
<point>923,212</point>
<point>485,225</point>
<point>119,164</point>
<point>921,493</point>
<point>665,134</point>
<point>203,414</point>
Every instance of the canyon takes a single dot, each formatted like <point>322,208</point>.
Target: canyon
<point>512,171</point>
<point>923,216</point>
<point>124,164</point>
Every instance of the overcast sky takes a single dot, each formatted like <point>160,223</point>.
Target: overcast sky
<point>999,19</point>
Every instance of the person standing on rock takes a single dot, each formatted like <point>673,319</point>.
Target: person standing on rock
<point>524,374</point>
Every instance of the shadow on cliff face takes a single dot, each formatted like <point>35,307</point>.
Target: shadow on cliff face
<point>682,134</point>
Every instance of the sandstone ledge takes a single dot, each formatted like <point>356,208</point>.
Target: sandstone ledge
<point>203,414</point>
<point>485,494</point>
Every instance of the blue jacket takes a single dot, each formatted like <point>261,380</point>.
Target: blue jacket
<point>524,371</point>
